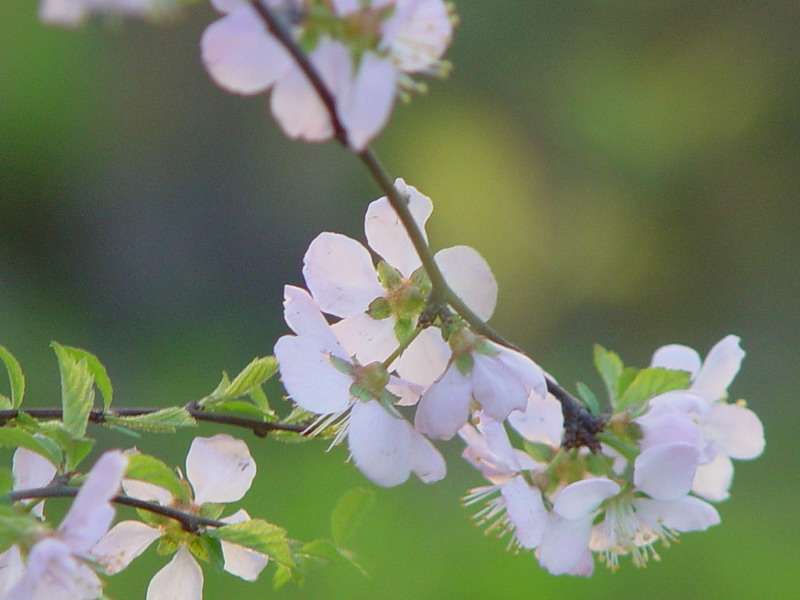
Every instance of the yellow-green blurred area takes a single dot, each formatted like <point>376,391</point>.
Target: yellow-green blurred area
<point>629,170</point>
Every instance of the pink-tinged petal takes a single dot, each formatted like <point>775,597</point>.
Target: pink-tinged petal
<point>541,421</point>
<point>407,393</point>
<point>670,428</point>
<point>12,568</point>
<point>666,472</point>
<point>55,573</point>
<point>713,480</point>
<point>124,542</point>
<point>425,360</point>
<point>32,470</point>
<point>66,13</point>
<point>417,33</point>
<point>495,388</point>
<point>91,513</point>
<point>340,275</point>
<point>683,514</point>
<point>426,461</point>
<point>240,55</point>
<point>310,378</point>
<point>525,510</point>
<point>228,6</point>
<point>239,560</point>
<point>565,547</point>
<point>220,468</point>
<point>497,442</point>
<point>719,369</point>
<point>368,103</point>
<point>678,401</point>
<point>368,339</point>
<point>578,500</point>
<point>345,7</point>
<point>470,277</point>
<point>678,358</point>
<point>387,236</point>
<point>527,371</point>
<point>444,407</point>
<point>147,491</point>
<point>181,579</point>
<point>380,444</point>
<point>736,430</point>
<point>302,314</point>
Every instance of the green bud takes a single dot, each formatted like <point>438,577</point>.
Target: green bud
<point>389,277</point>
<point>379,309</point>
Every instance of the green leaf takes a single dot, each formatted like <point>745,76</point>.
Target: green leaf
<point>74,448</point>
<point>327,551</point>
<point>652,382</point>
<point>151,470</point>
<point>6,482</point>
<point>539,451</point>
<point>403,328</point>
<point>259,398</point>
<point>349,512</point>
<point>77,390</point>
<point>256,373</point>
<point>209,549</point>
<point>262,536</point>
<point>165,420</point>
<point>98,371</point>
<point>587,395</point>
<point>15,377</point>
<point>237,406</point>
<point>609,365</point>
<point>14,437</point>
<point>625,379</point>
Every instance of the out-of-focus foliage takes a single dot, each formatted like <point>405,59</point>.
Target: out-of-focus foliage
<point>629,169</point>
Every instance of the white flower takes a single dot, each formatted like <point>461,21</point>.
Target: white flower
<point>342,279</point>
<point>242,56</point>
<point>320,378</point>
<point>55,568</point>
<point>701,417</point>
<point>71,13</point>
<point>220,470</point>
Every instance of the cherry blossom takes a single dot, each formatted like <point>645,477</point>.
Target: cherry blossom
<point>220,469</point>
<point>321,379</point>
<point>72,13</point>
<point>55,568</point>
<point>360,50</point>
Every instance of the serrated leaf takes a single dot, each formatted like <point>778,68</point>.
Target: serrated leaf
<point>77,390</point>
<point>15,377</point>
<point>236,406</point>
<point>326,550</point>
<point>144,467</point>
<point>256,373</point>
<point>97,370</point>
<point>651,382</point>
<point>349,512</point>
<point>403,328</point>
<point>165,420</point>
<point>262,536</point>
<point>14,437</point>
<point>588,397</point>
<point>625,379</point>
<point>75,449</point>
<point>259,398</point>
<point>209,549</point>
<point>609,365</point>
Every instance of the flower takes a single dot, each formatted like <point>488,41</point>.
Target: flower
<point>220,469</point>
<point>360,50</point>
<point>55,568</point>
<point>319,377</point>
<point>72,13</point>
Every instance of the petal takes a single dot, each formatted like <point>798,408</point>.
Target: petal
<point>426,461</point>
<point>444,407</point>
<point>417,33</point>
<point>496,388</point>
<point>368,339</point>
<point>470,277</point>
<point>380,444</point>
<point>713,479</point>
<point>181,579</point>
<point>666,472</point>
<point>147,491</point>
<point>683,514</point>
<point>425,360</point>
<point>565,547</point>
<point>527,371</point>
<point>580,499</point>
<point>124,542</point>
<point>240,55</point>
<point>91,513</point>
<point>12,568</point>
<point>302,314</point>
<point>407,393</point>
<point>525,510</point>
<point>387,236</point>
<point>32,470</point>
<point>736,430</point>
<point>541,421</point>
<point>497,442</point>
<point>340,275</point>
<point>55,573</point>
<point>678,358</point>
<point>719,369</point>
<point>239,560</point>
<point>67,13</point>
<point>368,103</point>
<point>310,378</point>
<point>220,468</point>
<point>670,427</point>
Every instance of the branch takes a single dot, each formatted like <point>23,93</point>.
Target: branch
<point>189,522</point>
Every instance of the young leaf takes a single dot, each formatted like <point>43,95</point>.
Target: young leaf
<point>587,395</point>
<point>262,536</point>
<point>77,390</point>
<point>348,513</point>
<point>609,365</point>
<point>325,550</point>
<point>151,470</point>
<point>96,368</point>
<point>256,373</point>
<point>652,382</point>
<point>14,437</point>
<point>160,421</point>
<point>15,377</point>
<point>75,449</point>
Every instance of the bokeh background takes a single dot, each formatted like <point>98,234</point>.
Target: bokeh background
<point>629,169</point>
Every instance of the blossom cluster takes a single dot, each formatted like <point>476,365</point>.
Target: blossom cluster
<point>662,461</point>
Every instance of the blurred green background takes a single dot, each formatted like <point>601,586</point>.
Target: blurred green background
<point>629,169</point>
